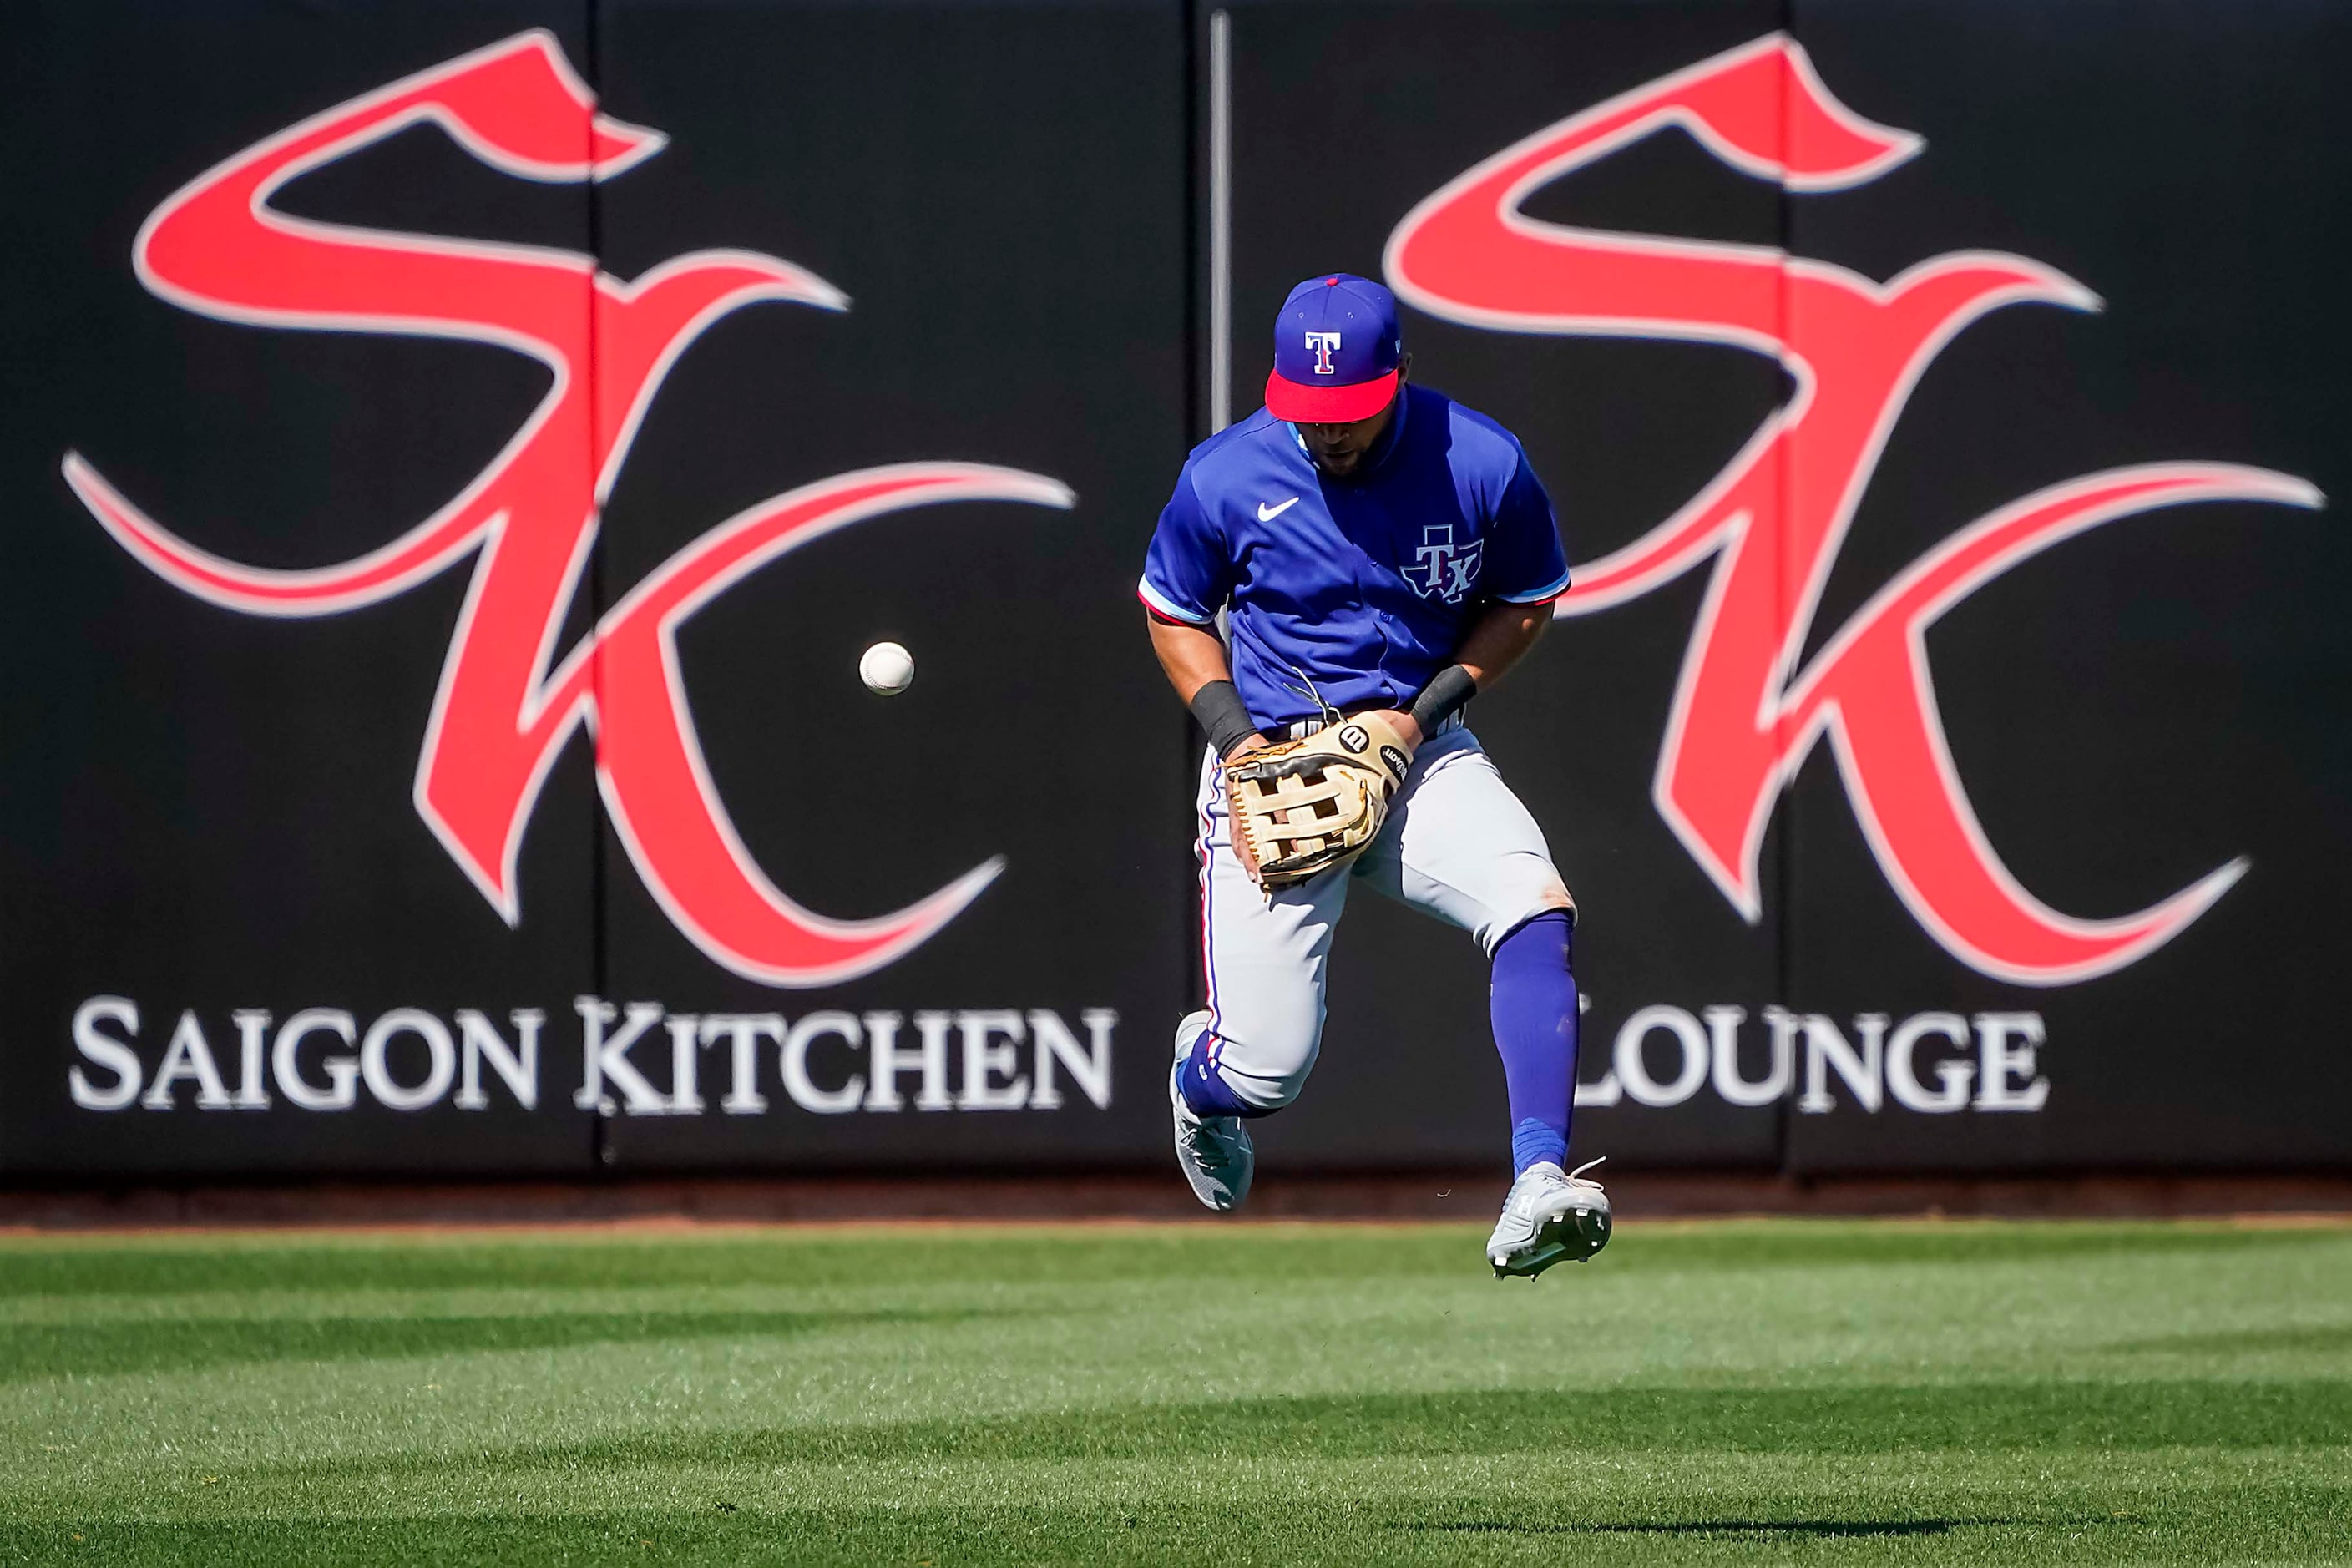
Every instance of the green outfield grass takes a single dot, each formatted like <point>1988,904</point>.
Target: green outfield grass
<point>1775,1391</point>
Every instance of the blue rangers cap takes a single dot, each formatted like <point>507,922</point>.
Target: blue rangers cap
<point>1337,347</point>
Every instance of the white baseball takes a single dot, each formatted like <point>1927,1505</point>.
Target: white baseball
<point>888,669</point>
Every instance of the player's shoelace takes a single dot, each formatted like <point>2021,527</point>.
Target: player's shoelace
<point>1195,1136</point>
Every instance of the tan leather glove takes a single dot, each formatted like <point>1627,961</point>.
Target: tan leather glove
<point>1300,807</point>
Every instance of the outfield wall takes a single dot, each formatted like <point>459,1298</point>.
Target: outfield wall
<point>456,455</point>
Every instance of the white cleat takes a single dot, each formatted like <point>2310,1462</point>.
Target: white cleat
<point>1551,1216</point>
<point>1213,1152</point>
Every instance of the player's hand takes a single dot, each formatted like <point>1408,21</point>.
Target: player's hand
<point>1253,742</point>
<point>1248,862</point>
<point>1406,729</point>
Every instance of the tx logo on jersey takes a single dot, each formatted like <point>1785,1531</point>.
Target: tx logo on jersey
<point>1325,345</point>
<point>216,247</point>
<point>1442,570</point>
<point>1745,711</point>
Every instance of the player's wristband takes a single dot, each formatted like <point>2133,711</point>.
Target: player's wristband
<point>1218,707</point>
<point>1442,697</point>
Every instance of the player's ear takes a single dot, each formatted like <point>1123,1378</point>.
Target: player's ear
<point>1404,368</point>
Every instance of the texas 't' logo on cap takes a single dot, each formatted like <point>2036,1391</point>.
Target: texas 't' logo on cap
<point>1336,352</point>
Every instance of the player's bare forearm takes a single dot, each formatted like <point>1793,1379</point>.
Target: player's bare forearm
<point>1496,640</point>
<point>1192,655</point>
<point>1191,658</point>
<point>1499,639</point>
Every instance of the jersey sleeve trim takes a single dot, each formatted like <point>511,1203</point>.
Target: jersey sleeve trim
<point>1538,595</point>
<point>1161,604</point>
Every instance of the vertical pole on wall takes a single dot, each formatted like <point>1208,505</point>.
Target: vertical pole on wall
<point>1221,219</point>
<point>1784,896</point>
<point>601,1152</point>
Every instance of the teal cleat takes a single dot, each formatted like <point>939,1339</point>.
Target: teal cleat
<point>1213,1152</point>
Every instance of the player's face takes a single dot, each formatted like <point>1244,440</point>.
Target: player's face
<point>1338,449</point>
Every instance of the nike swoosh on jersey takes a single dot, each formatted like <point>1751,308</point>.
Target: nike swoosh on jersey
<point>1269,513</point>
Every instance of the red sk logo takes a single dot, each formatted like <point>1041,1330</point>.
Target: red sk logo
<point>1745,713</point>
<point>217,248</point>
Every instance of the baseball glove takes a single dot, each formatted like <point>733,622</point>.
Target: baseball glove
<point>1300,807</point>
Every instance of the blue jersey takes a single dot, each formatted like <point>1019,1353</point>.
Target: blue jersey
<point>1357,589</point>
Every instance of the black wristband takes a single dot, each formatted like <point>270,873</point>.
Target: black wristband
<point>1219,708</point>
<point>1442,697</point>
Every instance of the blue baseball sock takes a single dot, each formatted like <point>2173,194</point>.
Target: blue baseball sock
<point>1534,1011</point>
<point>1205,1087</point>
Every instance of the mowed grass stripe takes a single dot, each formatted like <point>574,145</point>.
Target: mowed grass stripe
<point>1879,1419</point>
<point>1754,1391</point>
<point>1038,1252</point>
<point>188,1344</point>
<point>2191,1506</point>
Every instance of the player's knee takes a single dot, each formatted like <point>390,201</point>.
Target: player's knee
<point>1262,1096</point>
<point>1538,894</point>
<point>1265,1072</point>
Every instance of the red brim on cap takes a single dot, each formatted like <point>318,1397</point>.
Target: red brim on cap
<point>1304,405</point>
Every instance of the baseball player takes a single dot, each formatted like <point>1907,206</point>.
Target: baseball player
<point>1381,555</point>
